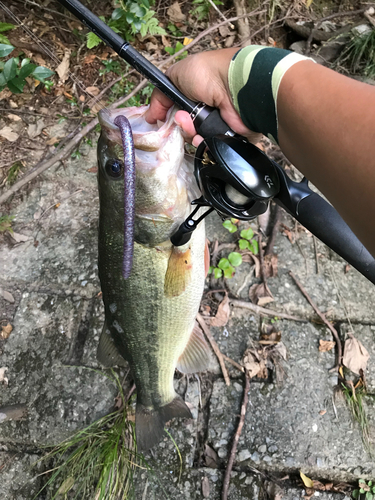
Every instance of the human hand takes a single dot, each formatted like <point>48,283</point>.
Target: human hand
<point>202,78</point>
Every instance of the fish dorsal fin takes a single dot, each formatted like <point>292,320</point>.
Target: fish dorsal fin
<point>178,274</point>
<point>196,355</point>
<point>107,353</point>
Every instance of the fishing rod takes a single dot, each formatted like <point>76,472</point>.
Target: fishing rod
<point>235,177</point>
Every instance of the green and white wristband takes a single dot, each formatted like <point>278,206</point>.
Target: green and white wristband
<point>255,74</point>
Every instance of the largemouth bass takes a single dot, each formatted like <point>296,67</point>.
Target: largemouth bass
<point>149,317</point>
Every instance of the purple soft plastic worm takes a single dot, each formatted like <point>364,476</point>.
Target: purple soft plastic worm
<point>129,193</point>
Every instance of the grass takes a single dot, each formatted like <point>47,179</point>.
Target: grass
<point>355,400</point>
<point>98,462</point>
<point>359,54</point>
<point>6,223</point>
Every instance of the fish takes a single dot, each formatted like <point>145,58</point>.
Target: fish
<point>150,311</point>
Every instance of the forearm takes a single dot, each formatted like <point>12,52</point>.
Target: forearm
<point>326,128</point>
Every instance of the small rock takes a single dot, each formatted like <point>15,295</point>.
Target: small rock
<point>222,453</point>
<point>243,455</point>
<point>7,296</point>
<point>262,449</point>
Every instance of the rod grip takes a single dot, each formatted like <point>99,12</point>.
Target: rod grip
<point>319,217</point>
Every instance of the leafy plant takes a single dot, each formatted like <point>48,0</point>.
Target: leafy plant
<point>359,53</point>
<point>130,18</point>
<point>365,491</point>
<point>203,8</point>
<point>110,66</point>
<point>6,223</point>
<point>13,172</point>
<point>227,265</point>
<point>171,51</point>
<point>5,27</point>
<point>174,30</point>
<point>13,72</point>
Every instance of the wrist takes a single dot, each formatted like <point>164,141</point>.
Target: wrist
<point>254,77</point>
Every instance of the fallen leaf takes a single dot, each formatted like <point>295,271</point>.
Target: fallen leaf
<point>326,345</point>
<point>98,106</point>
<point>89,59</point>
<point>224,31</point>
<point>306,480</point>
<point>223,312</point>
<point>322,412</point>
<point>52,141</point>
<point>273,337</point>
<point>7,296</point>
<point>3,378</point>
<point>280,350</point>
<point>93,170</point>
<point>82,98</point>
<point>355,355</point>
<point>175,14</point>
<point>15,118</point>
<point>165,41</point>
<point>317,485</point>
<point>9,134</point>
<point>287,232</point>
<point>19,238</point>
<point>251,364</point>
<point>5,94</point>
<point>63,68</point>
<point>260,294</point>
<point>35,129</point>
<point>39,59</point>
<point>270,265</point>
<point>94,91</point>
<point>205,487</point>
<point>187,41</point>
<point>347,268</point>
<point>211,457</point>
<point>6,331</point>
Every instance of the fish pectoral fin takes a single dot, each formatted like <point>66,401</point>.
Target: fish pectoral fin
<point>179,272</point>
<point>149,423</point>
<point>197,354</point>
<point>107,353</point>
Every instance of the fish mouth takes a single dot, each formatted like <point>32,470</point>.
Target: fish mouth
<point>146,136</point>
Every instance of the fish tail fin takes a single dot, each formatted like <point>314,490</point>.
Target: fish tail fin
<point>149,424</point>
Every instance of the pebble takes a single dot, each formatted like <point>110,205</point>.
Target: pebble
<point>243,455</point>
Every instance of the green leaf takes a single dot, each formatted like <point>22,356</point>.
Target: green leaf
<point>218,273</point>
<point>10,70</point>
<point>229,272</point>
<point>16,89</point>
<point>117,13</point>
<point>26,70</point>
<point>369,495</point>
<point>92,40</point>
<point>243,244</point>
<point>247,233</point>
<point>2,80</point>
<point>254,247</point>
<point>25,61</point>
<point>231,227</point>
<point>41,73</point>
<point>235,259</point>
<point>361,490</point>
<point>170,50</point>
<point>6,27</point>
<point>369,483</point>
<point>223,263</point>
<point>210,269</point>
<point>16,85</point>
<point>355,493</point>
<point>5,49</point>
<point>4,39</point>
<point>137,10</point>
<point>373,489</point>
<point>146,3</point>
<point>129,17</point>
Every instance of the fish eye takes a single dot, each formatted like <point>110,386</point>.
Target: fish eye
<point>114,168</point>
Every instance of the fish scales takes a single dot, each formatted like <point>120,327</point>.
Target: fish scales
<point>150,316</point>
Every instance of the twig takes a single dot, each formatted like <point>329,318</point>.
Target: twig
<point>275,228</point>
<point>214,346</point>
<point>68,148</point>
<point>323,318</point>
<point>262,311</point>
<point>234,363</point>
<point>64,152</point>
<point>316,255</point>
<point>219,12</point>
<point>236,438</point>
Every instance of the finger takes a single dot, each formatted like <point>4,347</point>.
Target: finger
<point>159,106</point>
<point>183,119</point>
